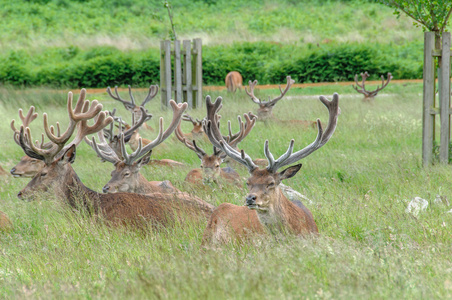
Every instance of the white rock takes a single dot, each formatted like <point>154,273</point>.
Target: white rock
<point>416,205</point>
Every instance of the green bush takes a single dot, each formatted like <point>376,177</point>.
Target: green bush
<point>267,62</point>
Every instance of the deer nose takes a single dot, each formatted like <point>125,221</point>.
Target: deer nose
<point>251,199</point>
<point>12,171</point>
<point>105,188</point>
<point>19,195</point>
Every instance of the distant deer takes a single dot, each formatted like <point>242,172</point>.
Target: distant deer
<point>5,223</point>
<point>27,166</point>
<point>131,106</point>
<point>274,211</point>
<point>59,177</point>
<point>210,170</point>
<point>369,95</point>
<point>233,81</point>
<point>197,133</point>
<point>265,110</point>
<point>127,177</point>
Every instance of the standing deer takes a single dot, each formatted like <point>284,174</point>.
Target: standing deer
<point>369,95</point>
<point>233,81</point>
<point>127,177</point>
<point>27,166</point>
<point>59,177</point>
<point>265,110</point>
<point>274,211</point>
<point>131,106</point>
<point>210,170</point>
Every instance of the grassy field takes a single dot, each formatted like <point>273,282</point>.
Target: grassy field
<point>359,183</point>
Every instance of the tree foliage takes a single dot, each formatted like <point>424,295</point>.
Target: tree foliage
<point>432,15</point>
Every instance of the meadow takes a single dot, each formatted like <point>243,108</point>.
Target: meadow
<point>359,184</point>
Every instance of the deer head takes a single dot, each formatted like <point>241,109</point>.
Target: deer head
<point>126,177</point>
<point>197,131</point>
<point>58,156</point>
<point>265,110</point>
<point>264,195</point>
<point>361,88</point>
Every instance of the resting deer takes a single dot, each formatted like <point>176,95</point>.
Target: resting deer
<point>131,106</point>
<point>265,110</point>
<point>27,166</point>
<point>127,177</point>
<point>5,223</point>
<point>210,170</point>
<point>197,133</point>
<point>59,177</point>
<point>233,81</point>
<point>361,88</point>
<point>274,211</point>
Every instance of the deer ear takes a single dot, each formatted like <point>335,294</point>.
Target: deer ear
<point>68,156</point>
<point>144,160</point>
<point>289,172</point>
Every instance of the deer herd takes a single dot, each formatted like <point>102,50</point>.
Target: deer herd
<point>129,198</point>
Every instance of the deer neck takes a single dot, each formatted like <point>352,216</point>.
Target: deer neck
<point>76,193</point>
<point>276,219</point>
<point>142,186</point>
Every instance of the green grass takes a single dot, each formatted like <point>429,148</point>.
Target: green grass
<point>369,246</point>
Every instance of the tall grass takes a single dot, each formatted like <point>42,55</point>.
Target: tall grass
<point>359,183</point>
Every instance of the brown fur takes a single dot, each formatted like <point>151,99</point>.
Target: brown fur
<point>230,222</point>
<point>27,167</point>
<point>5,223</point>
<point>119,208</point>
<point>212,172</point>
<point>233,81</point>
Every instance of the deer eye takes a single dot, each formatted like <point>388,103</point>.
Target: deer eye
<point>33,161</point>
<point>271,185</point>
<point>217,166</point>
<point>43,174</point>
<point>126,174</point>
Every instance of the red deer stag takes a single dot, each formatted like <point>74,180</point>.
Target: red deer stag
<point>197,133</point>
<point>131,106</point>
<point>59,177</point>
<point>361,88</point>
<point>210,170</point>
<point>27,166</point>
<point>274,211</point>
<point>265,110</point>
<point>233,81</point>
<point>127,177</point>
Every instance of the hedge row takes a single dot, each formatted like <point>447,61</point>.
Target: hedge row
<point>266,62</point>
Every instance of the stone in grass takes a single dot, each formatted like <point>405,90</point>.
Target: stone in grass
<point>294,196</point>
<point>416,205</point>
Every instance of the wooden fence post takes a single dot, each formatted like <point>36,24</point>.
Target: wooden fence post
<point>187,80</point>
<point>428,123</point>
<point>444,98</point>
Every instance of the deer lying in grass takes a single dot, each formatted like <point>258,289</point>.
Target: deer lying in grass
<point>5,223</point>
<point>274,211</point>
<point>210,170</point>
<point>265,110</point>
<point>197,133</point>
<point>361,88</point>
<point>127,177</point>
<point>27,166</point>
<point>131,106</point>
<point>233,81</point>
<point>59,177</point>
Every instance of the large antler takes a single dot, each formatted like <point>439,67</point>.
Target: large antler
<point>190,145</point>
<point>128,159</point>
<point>216,138</point>
<point>77,118</point>
<point>287,158</point>
<point>360,88</point>
<point>270,102</point>
<point>26,120</point>
<point>245,129</point>
<point>130,106</point>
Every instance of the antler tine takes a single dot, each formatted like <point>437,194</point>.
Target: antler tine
<point>128,105</point>
<point>131,95</point>
<point>180,136</point>
<point>252,85</point>
<point>250,121</point>
<point>26,120</point>
<point>322,137</point>
<point>103,150</point>
<point>273,101</point>
<point>383,83</point>
<point>144,118</point>
<point>153,90</point>
<point>215,137</point>
<point>198,149</point>
<point>188,118</point>
<point>46,155</point>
